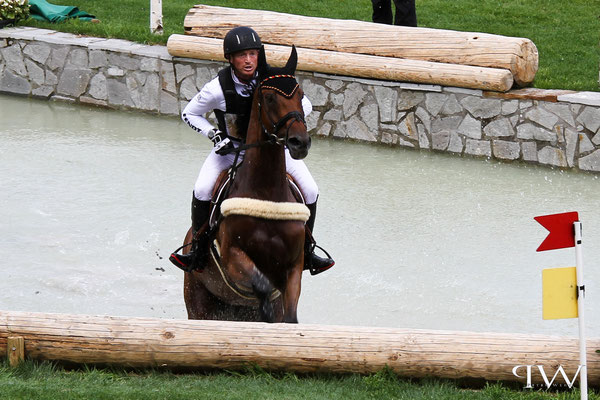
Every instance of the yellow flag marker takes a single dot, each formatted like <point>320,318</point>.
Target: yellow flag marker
<point>559,293</point>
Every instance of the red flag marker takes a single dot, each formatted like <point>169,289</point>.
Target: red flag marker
<point>561,230</point>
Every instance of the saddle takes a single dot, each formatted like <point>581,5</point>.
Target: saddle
<point>221,191</point>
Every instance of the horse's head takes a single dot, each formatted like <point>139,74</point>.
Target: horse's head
<point>280,105</point>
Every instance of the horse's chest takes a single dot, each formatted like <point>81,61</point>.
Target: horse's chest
<point>269,241</point>
<point>273,235</point>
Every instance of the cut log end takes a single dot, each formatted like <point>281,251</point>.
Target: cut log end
<point>526,64</point>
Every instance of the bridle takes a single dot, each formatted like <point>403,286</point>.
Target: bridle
<point>292,115</point>
<point>272,138</point>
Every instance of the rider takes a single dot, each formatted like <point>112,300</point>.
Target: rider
<point>229,95</point>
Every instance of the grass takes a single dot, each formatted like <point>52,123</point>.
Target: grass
<point>566,33</point>
<point>47,381</point>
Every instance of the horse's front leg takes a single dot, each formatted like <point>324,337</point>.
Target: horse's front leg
<point>243,270</point>
<point>200,303</point>
<point>292,294</point>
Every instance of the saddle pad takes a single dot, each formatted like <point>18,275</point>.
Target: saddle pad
<point>265,209</point>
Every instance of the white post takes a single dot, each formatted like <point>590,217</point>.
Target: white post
<point>580,311</point>
<point>156,24</point>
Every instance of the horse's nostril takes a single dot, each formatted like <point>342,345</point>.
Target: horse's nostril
<point>294,142</point>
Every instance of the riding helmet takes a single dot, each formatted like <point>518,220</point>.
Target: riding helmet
<point>240,38</point>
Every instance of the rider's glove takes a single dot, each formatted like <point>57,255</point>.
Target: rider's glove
<point>221,141</point>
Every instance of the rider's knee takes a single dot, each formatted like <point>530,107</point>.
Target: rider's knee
<point>202,193</point>
<point>311,192</point>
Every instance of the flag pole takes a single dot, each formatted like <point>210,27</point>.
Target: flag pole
<point>580,311</point>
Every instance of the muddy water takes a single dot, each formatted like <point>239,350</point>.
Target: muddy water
<point>92,202</point>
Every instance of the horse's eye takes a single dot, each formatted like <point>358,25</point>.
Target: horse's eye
<point>270,97</point>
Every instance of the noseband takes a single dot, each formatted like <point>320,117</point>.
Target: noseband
<point>285,85</point>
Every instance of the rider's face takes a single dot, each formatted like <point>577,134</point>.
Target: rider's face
<point>244,63</point>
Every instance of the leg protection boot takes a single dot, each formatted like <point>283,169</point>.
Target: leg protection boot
<point>196,258</point>
<point>314,263</point>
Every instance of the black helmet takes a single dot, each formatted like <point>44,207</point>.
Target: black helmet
<point>240,38</point>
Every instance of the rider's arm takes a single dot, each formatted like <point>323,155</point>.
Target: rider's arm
<point>210,98</point>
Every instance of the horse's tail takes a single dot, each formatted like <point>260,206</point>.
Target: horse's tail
<point>262,287</point>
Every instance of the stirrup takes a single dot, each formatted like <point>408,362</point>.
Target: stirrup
<point>326,263</point>
<point>318,264</point>
<point>186,262</point>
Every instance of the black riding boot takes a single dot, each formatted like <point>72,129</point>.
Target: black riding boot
<point>314,263</point>
<point>196,258</point>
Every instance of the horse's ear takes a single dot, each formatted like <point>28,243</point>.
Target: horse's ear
<point>292,63</point>
<point>262,61</point>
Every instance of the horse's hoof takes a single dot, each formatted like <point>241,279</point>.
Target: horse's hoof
<point>266,312</point>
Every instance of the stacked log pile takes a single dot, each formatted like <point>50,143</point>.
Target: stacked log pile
<point>369,50</point>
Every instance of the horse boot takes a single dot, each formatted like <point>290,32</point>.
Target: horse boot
<point>196,258</point>
<point>312,262</point>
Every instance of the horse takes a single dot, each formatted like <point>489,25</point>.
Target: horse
<point>256,257</point>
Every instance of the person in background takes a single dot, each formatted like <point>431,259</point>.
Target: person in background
<point>406,14</point>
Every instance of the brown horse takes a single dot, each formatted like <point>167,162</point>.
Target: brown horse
<point>256,261</point>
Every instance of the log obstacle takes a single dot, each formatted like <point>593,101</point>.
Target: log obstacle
<point>518,55</point>
<point>177,344</point>
<point>359,65</point>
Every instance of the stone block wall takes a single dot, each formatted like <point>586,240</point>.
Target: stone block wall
<point>550,127</point>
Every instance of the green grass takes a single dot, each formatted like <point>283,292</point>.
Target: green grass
<point>46,381</point>
<point>566,33</point>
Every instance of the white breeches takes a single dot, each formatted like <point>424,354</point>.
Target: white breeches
<point>214,164</point>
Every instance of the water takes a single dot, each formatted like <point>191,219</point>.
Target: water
<point>93,201</point>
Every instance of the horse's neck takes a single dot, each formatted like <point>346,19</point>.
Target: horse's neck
<point>264,168</point>
<point>263,172</point>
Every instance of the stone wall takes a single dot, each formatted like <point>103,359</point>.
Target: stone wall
<point>550,127</point>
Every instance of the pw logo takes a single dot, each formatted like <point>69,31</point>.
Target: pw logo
<point>548,383</point>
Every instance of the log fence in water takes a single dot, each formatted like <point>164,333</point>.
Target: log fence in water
<point>183,344</point>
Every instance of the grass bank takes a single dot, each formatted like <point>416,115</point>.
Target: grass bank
<point>566,33</point>
<point>33,381</point>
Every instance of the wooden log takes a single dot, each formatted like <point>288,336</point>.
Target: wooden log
<point>147,342</point>
<point>359,65</point>
<point>519,55</point>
